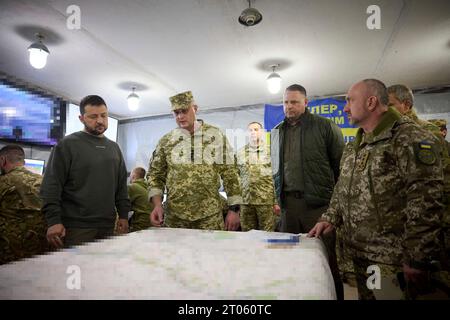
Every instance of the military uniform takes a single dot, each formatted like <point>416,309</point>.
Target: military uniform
<point>191,167</point>
<point>22,225</point>
<point>434,127</point>
<point>442,124</point>
<point>138,193</point>
<point>427,125</point>
<point>389,198</point>
<point>258,193</point>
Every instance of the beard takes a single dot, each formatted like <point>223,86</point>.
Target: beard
<point>98,130</point>
<point>352,121</point>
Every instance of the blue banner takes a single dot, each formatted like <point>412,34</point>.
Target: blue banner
<point>330,108</point>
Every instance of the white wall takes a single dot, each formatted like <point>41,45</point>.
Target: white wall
<point>139,137</point>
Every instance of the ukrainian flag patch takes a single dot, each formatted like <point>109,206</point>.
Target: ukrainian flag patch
<point>425,153</point>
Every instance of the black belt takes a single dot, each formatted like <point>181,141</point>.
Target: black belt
<point>295,194</point>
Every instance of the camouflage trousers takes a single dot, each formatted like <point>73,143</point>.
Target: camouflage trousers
<point>140,221</point>
<point>22,237</point>
<point>214,222</point>
<point>258,217</point>
<point>344,259</point>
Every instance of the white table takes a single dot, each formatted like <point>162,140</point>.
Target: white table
<point>176,264</point>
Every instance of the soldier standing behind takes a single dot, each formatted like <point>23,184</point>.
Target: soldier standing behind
<point>138,194</point>
<point>22,225</point>
<point>190,161</point>
<point>258,194</point>
<point>442,125</point>
<point>402,98</point>
<point>389,196</point>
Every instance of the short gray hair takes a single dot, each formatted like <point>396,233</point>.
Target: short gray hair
<point>378,89</point>
<point>13,153</point>
<point>402,93</point>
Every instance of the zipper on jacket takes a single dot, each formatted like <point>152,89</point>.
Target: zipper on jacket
<point>372,193</point>
<point>351,180</point>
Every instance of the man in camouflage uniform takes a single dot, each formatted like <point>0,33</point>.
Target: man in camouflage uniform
<point>402,98</point>
<point>389,196</point>
<point>22,225</point>
<point>258,194</point>
<point>444,275</point>
<point>190,162</point>
<point>442,125</point>
<point>138,193</point>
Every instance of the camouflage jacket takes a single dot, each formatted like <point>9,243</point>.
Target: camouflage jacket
<point>435,130</point>
<point>22,225</point>
<point>19,191</point>
<point>255,171</point>
<point>191,167</point>
<point>427,125</point>
<point>389,194</point>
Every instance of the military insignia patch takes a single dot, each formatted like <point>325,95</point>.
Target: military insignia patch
<point>363,161</point>
<point>425,153</point>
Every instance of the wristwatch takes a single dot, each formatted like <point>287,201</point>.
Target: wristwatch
<point>234,207</point>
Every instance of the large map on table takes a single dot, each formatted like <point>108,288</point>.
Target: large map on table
<point>177,264</point>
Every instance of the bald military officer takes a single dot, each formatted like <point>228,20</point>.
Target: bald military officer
<point>190,162</point>
<point>389,196</point>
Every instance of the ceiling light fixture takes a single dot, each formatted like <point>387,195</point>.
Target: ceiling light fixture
<point>133,101</point>
<point>250,16</point>
<point>38,53</point>
<point>274,80</point>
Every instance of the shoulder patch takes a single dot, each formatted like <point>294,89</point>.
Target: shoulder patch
<point>425,153</point>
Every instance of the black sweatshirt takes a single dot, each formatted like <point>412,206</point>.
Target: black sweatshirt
<point>85,181</point>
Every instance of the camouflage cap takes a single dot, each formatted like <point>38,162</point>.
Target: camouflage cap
<point>439,122</point>
<point>182,100</point>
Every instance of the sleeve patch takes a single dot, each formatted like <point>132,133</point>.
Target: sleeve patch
<point>425,153</point>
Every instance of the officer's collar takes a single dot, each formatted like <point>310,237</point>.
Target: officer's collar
<point>382,131</point>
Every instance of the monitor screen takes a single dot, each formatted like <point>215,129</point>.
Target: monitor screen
<point>29,117</point>
<point>34,165</point>
<point>73,123</point>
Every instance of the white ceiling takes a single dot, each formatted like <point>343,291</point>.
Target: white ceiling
<point>170,46</point>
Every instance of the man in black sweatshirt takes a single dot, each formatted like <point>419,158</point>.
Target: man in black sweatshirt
<point>85,182</point>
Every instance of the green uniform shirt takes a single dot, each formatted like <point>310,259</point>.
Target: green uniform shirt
<point>138,193</point>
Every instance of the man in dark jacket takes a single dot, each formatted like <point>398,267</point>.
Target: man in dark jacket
<point>306,151</point>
